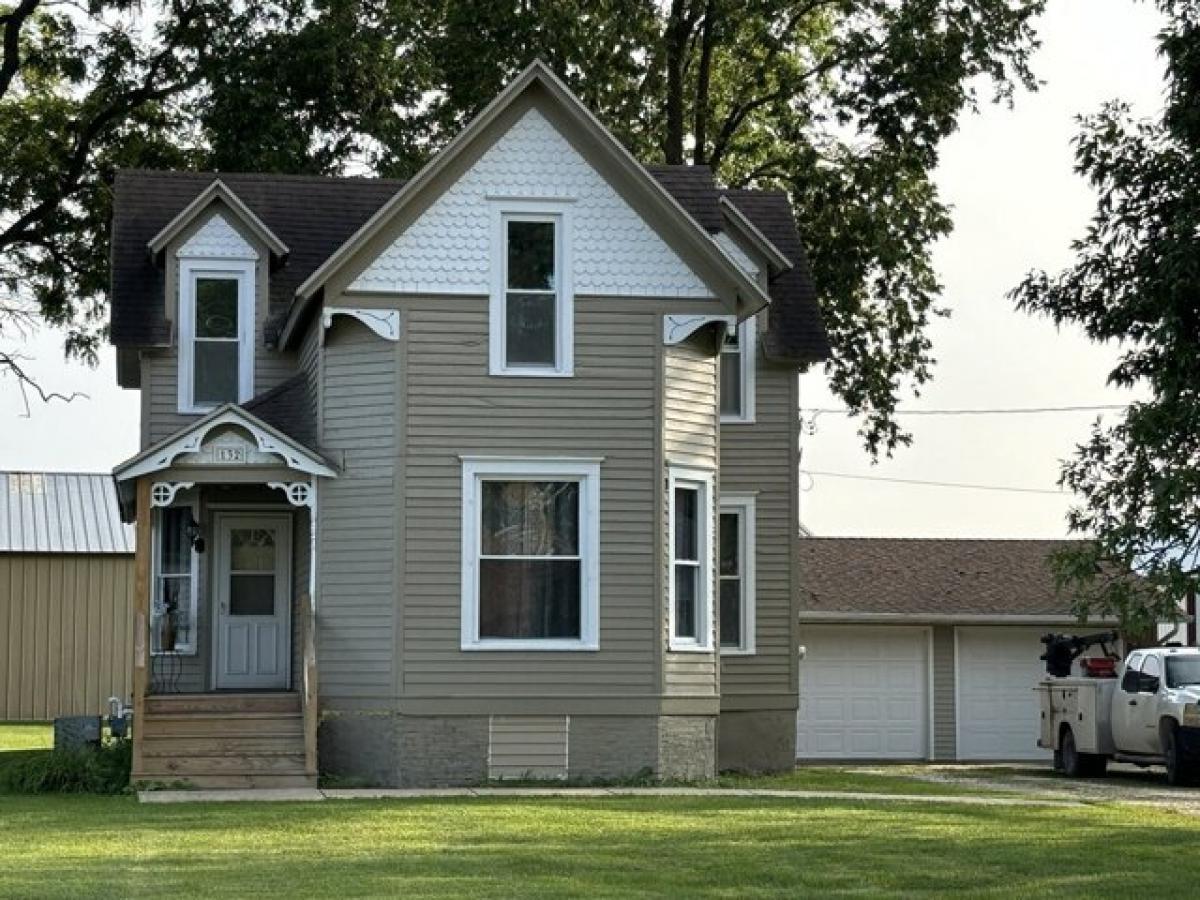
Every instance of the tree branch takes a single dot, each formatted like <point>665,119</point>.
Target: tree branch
<point>12,22</point>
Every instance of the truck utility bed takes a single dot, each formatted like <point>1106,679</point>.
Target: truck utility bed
<point>1083,703</point>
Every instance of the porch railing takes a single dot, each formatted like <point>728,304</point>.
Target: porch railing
<point>308,684</point>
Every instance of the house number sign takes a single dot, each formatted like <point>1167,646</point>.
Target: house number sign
<point>229,454</point>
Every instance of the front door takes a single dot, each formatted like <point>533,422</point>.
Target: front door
<point>253,597</point>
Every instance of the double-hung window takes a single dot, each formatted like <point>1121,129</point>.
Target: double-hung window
<point>737,373</point>
<point>690,577</point>
<point>530,554</point>
<point>216,331</point>
<point>735,573</point>
<point>173,612</point>
<point>532,319</point>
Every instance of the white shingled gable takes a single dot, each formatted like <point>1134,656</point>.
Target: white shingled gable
<point>614,252</point>
<point>217,239</point>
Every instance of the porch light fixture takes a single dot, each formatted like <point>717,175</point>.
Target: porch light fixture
<point>192,532</point>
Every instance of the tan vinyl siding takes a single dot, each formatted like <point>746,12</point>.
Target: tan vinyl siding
<point>690,436</point>
<point>758,457</point>
<point>527,746</point>
<point>607,409</point>
<point>944,713</point>
<point>66,626</point>
<point>160,368</point>
<point>357,602</point>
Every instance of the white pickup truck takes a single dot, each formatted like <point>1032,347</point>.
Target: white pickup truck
<point>1148,715</point>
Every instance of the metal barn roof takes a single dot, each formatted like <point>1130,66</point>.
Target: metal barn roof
<point>61,512</point>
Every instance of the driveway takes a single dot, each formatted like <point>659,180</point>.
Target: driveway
<point>1124,783</point>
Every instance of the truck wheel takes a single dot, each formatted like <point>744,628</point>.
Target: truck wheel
<point>1072,762</point>
<point>1178,771</point>
<point>1058,760</point>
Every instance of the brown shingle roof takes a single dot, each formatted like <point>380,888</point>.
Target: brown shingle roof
<point>315,215</point>
<point>929,577</point>
<point>287,408</point>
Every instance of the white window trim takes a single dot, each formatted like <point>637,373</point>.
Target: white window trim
<point>189,648</point>
<point>189,271</point>
<point>503,211</point>
<point>475,470</point>
<point>745,507</point>
<point>701,479</point>
<point>747,356</point>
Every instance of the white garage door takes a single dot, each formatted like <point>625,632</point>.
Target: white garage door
<point>997,708</point>
<point>863,693</point>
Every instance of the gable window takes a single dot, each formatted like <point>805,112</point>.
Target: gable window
<point>216,329</point>
<point>531,317</point>
<point>737,373</point>
<point>173,612</point>
<point>530,554</point>
<point>735,573</point>
<point>690,577</point>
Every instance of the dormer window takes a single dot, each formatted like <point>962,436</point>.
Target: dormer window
<point>216,333</point>
<point>531,317</point>
<point>737,374</point>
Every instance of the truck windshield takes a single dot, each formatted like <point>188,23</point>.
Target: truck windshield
<point>1182,670</point>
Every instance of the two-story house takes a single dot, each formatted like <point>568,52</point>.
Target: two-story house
<point>492,473</point>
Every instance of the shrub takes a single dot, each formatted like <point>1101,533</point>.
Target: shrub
<point>87,770</point>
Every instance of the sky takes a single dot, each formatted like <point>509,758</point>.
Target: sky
<point>1017,204</point>
<point>1008,173</point>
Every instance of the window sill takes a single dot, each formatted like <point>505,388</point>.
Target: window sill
<point>532,373</point>
<point>738,651</point>
<point>737,420</point>
<point>178,651</point>
<point>537,646</point>
<point>688,648</point>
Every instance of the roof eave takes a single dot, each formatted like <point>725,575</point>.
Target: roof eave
<point>777,260</point>
<point>218,190</point>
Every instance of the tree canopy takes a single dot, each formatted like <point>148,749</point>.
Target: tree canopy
<point>842,103</point>
<point>1135,282</point>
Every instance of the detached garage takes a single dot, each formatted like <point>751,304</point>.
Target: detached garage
<point>66,595</point>
<point>923,649</point>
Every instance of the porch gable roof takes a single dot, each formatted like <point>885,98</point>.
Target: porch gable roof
<point>190,439</point>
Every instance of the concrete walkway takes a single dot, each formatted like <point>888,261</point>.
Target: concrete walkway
<point>567,793</point>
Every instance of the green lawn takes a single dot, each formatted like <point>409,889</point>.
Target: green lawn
<point>713,847</point>
<point>842,779</point>
<point>26,735</point>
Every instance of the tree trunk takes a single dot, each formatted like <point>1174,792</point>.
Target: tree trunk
<point>679,26</point>
<point>700,111</point>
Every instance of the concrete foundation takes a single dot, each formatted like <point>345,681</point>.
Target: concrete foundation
<point>386,749</point>
<point>757,741</point>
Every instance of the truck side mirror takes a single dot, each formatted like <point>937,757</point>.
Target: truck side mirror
<point>1149,684</point>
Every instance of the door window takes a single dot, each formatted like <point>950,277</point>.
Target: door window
<point>1133,672</point>
<point>1148,684</point>
<point>251,572</point>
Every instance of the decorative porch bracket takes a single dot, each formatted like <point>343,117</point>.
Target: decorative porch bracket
<point>162,493</point>
<point>384,322</point>
<point>298,493</point>
<point>677,329</point>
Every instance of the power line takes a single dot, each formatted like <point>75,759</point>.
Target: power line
<point>943,484</point>
<point>993,411</point>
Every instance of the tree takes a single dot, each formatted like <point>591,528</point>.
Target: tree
<point>842,103</point>
<point>1135,282</point>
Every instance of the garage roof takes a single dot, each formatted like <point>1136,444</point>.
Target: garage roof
<point>61,512</point>
<point>929,577</point>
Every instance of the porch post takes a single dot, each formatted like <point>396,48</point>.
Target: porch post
<point>141,617</point>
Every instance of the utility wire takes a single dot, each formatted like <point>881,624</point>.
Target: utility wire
<point>943,484</point>
<point>994,411</point>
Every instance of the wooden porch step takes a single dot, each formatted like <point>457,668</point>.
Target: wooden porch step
<point>183,747</point>
<point>183,766</point>
<point>183,704</point>
<point>231,782</point>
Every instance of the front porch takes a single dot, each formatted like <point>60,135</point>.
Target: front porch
<point>224,668</point>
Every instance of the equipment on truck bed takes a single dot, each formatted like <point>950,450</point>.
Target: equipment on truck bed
<point>1063,649</point>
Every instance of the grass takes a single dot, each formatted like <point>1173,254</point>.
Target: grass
<point>838,778</point>
<point>26,735</point>
<point>696,847</point>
